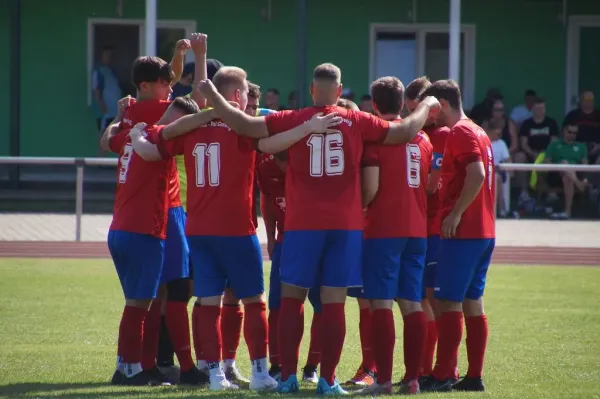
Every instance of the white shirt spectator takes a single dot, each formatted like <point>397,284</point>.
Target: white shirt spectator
<point>500,151</point>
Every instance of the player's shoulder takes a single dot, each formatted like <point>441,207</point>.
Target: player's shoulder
<point>468,127</point>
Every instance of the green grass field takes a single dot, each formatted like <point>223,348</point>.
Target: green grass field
<point>59,318</point>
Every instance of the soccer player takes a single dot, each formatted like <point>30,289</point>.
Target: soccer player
<point>437,135</point>
<point>467,186</point>
<point>136,241</point>
<point>394,184</point>
<point>220,229</point>
<point>323,227</point>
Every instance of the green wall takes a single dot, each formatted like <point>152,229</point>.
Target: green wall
<point>4,79</point>
<point>520,44</point>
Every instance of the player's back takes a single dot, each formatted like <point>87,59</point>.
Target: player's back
<point>220,169</point>
<point>437,136</point>
<point>400,205</point>
<point>467,143</point>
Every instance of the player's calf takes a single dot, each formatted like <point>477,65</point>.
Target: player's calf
<point>231,329</point>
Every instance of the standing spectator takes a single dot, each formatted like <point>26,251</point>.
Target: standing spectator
<point>506,126</point>
<point>272,99</point>
<point>366,104</point>
<point>535,134</point>
<point>293,100</point>
<point>567,151</point>
<point>185,84</point>
<point>587,118</point>
<point>106,89</point>
<point>501,155</point>
<point>483,110</point>
<point>522,112</point>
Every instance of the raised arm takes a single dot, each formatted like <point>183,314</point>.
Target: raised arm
<point>115,126</point>
<point>198,41</point>
<point>187,123</point>
<point>145,149</point>
<point>249,126</point>
<point>181,47</point>
<point>406,130</point>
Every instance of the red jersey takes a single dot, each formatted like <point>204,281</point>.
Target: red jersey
<point>437,136</point>
<point>323,187</point>
<point>150,112</point>
<point>141,199</point>
<point>220,172</point>
<point>400,206</point>
<point>271,180</point>
<point>468,143</point>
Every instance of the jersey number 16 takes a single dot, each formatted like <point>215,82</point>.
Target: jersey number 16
<point>326,154</point>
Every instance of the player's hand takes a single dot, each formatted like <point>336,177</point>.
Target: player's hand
<point>198,43</point>
<point>137,130</point>
<point>433,104</point>
<point>450,224</point>
<point>123,104</point>
<point>206,88</point>
<point>323,124</point>
<point>182,46</point>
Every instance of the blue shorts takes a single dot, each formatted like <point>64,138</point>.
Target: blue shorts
<point>393,268</point>
<point>138,259</point>
<point>221,262</point>
<point>356,292</point>
<point>329,258</point>
<point>462,268</point>
<point>314,294</point>
<point>431,260</point>
<point>176,264</point>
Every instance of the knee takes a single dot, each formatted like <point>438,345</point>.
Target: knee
<point>179,290</point>
<point>229,297</point>
<point>290,291</point>
<point>449,306</point>
<point>520,157</point>
<point>333,295</point>
<point>473,307</point>
<point>254,299</point>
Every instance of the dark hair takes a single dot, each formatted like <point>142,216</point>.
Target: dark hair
<point>416,88</point>
<point>253,90</point>
<point>366,97</point>
<point>388,95</point>
<point>348,104</point>
<point>186,105</point>
<point>273,91</point>
<point>530,93</point>
<point>447,90</point>
<point>539,100</point>
<point>327,72</point>
<point>188,69</point>
<point>150,69</point>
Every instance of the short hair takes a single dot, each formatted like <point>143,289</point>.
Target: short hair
<point>530,93</point>
<point>539,100</point>
<point>229,76</point>
<point>150,69</point>
<point>253,90</point>
<point>388,95</point>
<point>366,97</point>
<point>327,72</point>
<point>273,91</point>
<point>447,90</point>
<point>345,103</point>
<point>186,105</point>
<point>416,88</point>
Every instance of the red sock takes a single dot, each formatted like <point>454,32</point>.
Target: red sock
<point>273,337</point>
<point>314,349</point>
<point>231,328</point>
<point>415,335</point>
<point>151,335</point>
<point>364,326</point>
<point>195,334</point>
<point>333,333</point>
<point>429,352</point>
<point>450,326</point>
<point>477,335</point>
<point>291,328</point>
<point>382,326</point>
<point>178,325</point>
<point>131,334</point>
<point>208,330</point>
<point>255,330</point>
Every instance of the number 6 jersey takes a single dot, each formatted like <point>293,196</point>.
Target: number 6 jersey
<point>322,187</point>
<point>399,209</point>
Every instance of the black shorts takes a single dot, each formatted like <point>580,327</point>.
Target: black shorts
<point>554,179</point>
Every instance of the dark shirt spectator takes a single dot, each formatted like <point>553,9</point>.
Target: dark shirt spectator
<point>185,84</point>
<point>483,110</point>
<point>272,99</point>
<point>506,126</point>
<point>537,132</point>
<point>587,118</point>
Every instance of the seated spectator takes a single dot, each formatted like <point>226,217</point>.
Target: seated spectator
<point>521,113</point>
<point>272,99</point>
<point>587,118</point>
<point>293,100</point>
<point>501,155</point>
<point>185,84</point>
<point>506,126</point>
<point>483,110</point>
<point>366,104</point>
<point>567,151</point>
<point>535,134</point>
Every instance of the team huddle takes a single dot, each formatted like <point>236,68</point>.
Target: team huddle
<point>353,205</point>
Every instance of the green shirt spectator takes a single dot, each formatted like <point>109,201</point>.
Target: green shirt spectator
<point>563,151</point>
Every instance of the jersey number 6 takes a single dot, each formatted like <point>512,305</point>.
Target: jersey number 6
<point>326,154</point>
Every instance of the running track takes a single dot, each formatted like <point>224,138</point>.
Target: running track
<point>502,255</point>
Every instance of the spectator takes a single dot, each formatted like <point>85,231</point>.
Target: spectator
<point>567,151</point>
<point>293,100</point>
<point>501,155</point>
<point>506,126</point>
<point>366,104</point>
<point>587,118</point>
<point>272,99</point>
<point>483,110</point>
<point>522,112</point>
<point>347,94</point>
<point>535,134</point>
<point>106,89</point>
<point>185,84</point>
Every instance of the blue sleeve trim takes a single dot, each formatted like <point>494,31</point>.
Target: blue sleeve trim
<point>437,161</point>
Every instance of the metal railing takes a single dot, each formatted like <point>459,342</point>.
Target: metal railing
<point>80,163</point>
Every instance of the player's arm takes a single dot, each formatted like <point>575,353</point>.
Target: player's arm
<point>187,123</point>
<point>317,124</point>
<point>144,148</point>
<point>406,130</point>
<point>198,42</point>
<point>475,176</point>
<point>434,176</point>
<point>237,120</point>
<point>370,184</point>
<point>176,63</point>
<point>268,214</point>
<point>115,126</point>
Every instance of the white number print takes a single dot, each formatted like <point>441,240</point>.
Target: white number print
<point>208,159</point>
<point>490,171</point>
<point>124,161</point>
<point>413,165</point>
<point>326,154</point>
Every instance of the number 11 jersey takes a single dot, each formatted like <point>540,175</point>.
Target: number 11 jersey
<point>323,190</point>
